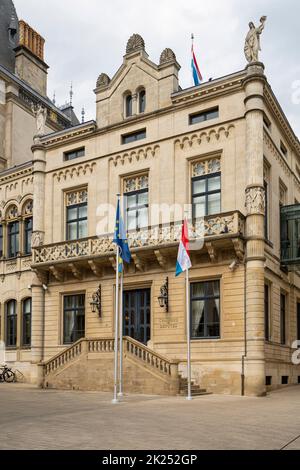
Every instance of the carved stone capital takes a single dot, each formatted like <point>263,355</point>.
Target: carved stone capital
<point>255,200</point>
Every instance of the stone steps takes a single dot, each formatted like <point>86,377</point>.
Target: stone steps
<point>196,391</point>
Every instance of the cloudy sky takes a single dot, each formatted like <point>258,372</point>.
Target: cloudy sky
<point>85,38</point>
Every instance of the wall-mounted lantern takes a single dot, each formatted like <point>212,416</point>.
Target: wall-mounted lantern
<point>163,298</point>
<point>96,302</point>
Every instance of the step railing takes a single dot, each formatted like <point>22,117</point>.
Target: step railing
<point>64,357</point>
<point>150,358</point>
<point>131,348</point>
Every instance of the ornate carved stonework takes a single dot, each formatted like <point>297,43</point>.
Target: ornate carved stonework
<point>28,208</point>
<point>206,167</point>
<point>12,213</point>
<point>135,43</point>
<point>37,239</point>
<point>77,197</point>
<point>166,56</point>
<point>255,200</point>
<point>103,80</point>
<point>136,183</point>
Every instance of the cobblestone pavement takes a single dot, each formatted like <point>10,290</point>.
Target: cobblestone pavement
<point>38,419</point>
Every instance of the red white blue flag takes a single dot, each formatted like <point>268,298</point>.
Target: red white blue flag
<point>197,77</point>
<point>183,260</point>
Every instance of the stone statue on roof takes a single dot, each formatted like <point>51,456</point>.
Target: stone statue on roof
<point>252,43</point>
<point>40,114</point>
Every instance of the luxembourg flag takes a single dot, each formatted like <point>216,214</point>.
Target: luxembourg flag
<point>195,69</point>
<point>183,260</point>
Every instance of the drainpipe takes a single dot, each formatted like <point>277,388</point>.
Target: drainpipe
<point>244,357</point>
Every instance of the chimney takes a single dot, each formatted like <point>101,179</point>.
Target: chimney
<point>30,65</point>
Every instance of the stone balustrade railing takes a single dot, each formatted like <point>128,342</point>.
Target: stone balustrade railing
<point>131,348</point>
<point>230,224</point>
<point>150,358</point>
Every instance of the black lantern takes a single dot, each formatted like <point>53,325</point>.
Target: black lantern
<point>163,298</point>
<point>96,302</point>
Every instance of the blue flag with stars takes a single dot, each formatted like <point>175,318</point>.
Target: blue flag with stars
<point>121,238</point>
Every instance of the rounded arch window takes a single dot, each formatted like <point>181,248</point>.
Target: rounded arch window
<point>142,100</point>
<point>13,232</point>
<point>11,323</point>
<point>128,105</point>
<point>28,226</point>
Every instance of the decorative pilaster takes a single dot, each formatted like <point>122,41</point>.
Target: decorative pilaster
<point>255,207</point>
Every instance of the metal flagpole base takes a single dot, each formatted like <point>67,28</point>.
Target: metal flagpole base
<point>189,398</point>
<point>115,401</point>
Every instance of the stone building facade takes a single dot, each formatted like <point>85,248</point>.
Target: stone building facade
<point>224,149</point>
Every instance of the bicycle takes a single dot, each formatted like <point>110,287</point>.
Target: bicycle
<point>7,375</point>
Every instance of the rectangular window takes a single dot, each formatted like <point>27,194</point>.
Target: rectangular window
<point>266,221</point>
<point>206,195</point>
<point>26,323</point>
<point>74,318</point>
<point>73,154</point>
<point>137,205</point>
<point>267,313</point>
<point>267,122</point>
<point>136,201</point>
<point>204,116</point>
<point>27,235</point>
<point>133,136</point>
<point>205,310</point>
<point>77,215</point>
<point>77,222</point>
<point>1,241</point>
<point>283,149</point>
<point>282,319</point>
<point>11,324</point>
<point>13,239</point>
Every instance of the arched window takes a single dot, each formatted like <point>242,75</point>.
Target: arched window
<point>26,322</point>
<point>13,232</point>
<point>142,101</point>
<point>11,323</point>
<point>28,222</point>
<point>128,105</point>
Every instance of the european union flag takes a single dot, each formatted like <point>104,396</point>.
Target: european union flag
<point>121,237</point>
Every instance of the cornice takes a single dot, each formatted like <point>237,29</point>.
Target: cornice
<point>281,118</point>
<point>69,134</point>
<point>16,174</point>
<point>211,89</point>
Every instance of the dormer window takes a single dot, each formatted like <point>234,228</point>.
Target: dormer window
<point>128,105</point>
<point>142,101</point>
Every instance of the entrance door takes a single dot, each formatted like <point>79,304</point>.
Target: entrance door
<point>137,315</point>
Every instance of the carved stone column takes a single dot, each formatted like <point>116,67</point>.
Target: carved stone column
<point>39,168</point>
<point>37,290</point>
<point>255,208</point>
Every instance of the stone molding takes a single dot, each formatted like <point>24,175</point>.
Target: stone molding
<point>198,137</point>
<point>75,172</point>
<point>135,155</point>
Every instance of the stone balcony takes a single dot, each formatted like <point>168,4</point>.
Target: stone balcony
<point>153,245</point>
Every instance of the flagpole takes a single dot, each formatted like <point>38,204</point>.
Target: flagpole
<point>188,328</point>
<point>120,394</point>
<point>115,399</point>
<point>188,324</point>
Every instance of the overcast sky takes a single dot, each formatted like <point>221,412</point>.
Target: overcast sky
<point>85,38</point>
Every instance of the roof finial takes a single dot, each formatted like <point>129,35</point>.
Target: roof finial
<point>71,94</point>
<point>83,115</point>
